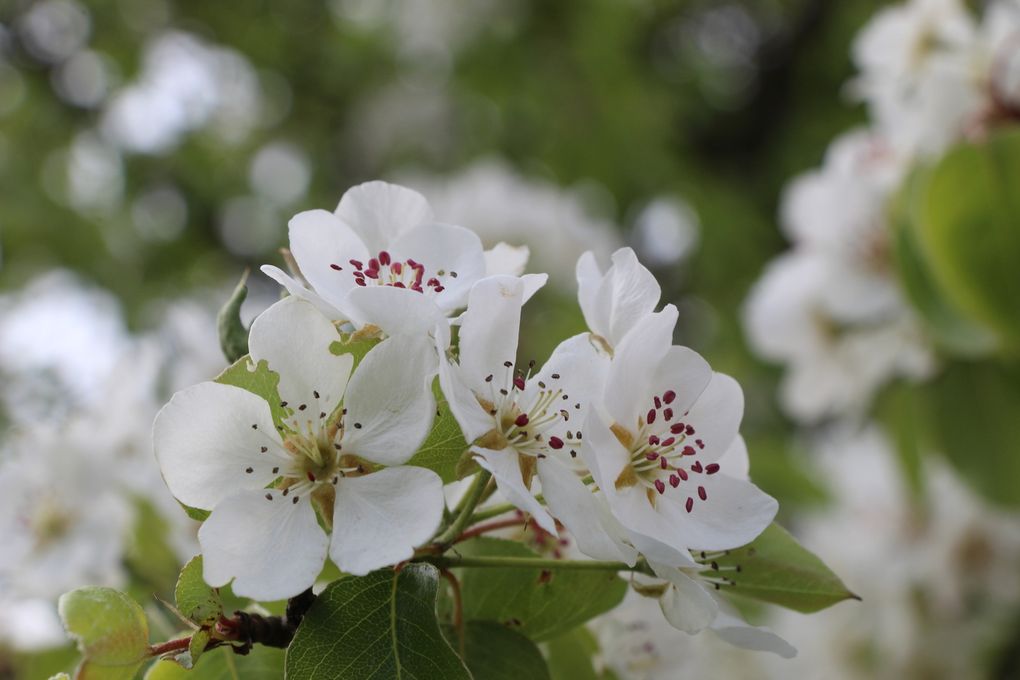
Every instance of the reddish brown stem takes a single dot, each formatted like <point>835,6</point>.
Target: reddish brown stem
<point>458,609</point>
<point>491,526</point>
<point>170,646</point>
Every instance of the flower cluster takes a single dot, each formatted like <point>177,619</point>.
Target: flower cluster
<point>622,439</point>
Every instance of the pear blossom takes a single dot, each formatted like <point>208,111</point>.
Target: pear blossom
<point>339,449</point>
<point>614,301</point>
<point>382,259</point>
<point>655,446</point>
<point>521,425</point>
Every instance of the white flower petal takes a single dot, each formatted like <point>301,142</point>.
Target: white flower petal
<point>685,604</point>
<point>636,364</point>
<point>396,311</point>
<point>273,549</point>
<point>684,372</point>
<point>380,518</point>
<point>532,284</point>
<point>733,514</point>
<point>580,372</point>
<point>735,462</point>
<point>208,436</point>
<point>627,293</point>
<point>294,338</point>
<point>389,401</point>
<point>716,416</point>
<point>320,243</point>
<point>506,470</point>
<point>605,456</point>
<point>489,331</point>
<point>503,258</point>
<point>589,277</point>
<point>299,291</point>
<point>733,630</point>
<point>587,517</point>
<point>474,421</point>
<point>380,212</point>
<point>448,249</point>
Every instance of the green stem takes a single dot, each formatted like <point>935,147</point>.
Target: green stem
<point>489,513</point>
<point>464,509</point>
<point>448,562</point>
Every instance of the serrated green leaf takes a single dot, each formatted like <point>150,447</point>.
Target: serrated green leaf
<point>540,605</point>
<point>195,599</point>
<point>443,449</point>
<point>967,230</point>
<point>109,627</point>
<point>382,625</point>
<point>233,334</point>
<point>257,379</point>
<point>570,655</point>
<point>973,420</point>
<point>775,568</point>
<point>494,652</point>
<point>262,663</point>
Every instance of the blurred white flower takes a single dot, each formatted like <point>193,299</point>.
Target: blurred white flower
<point>665,232</point>
<point>53,30</point>
<point>280,172</point>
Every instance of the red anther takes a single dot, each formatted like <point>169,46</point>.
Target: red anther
<point>440,289</point>
<point>335,267</point>
<point>412,263</point>
<point>689,430</point>
<point>676,428</point>
<point>668,414</point>
<point>653,440</point>
<point>689,451</point>
<point>372,273</point>
<point>311,477</point>
<point>669,441</point>
<point>663,463</point>
<point>384,257</point>
<point>519,382</point>
<point>674,481</point>
<point>668,396</point>
<point>690,504</point>
<point>373,263</point>
<point>651,416</point>
<point>712,468</point>
<point>697,467</point>
<point>396,268</point>
<point>432,282</point>
<point>555,442</point>
<point>682,473</point>
<point>521,420</point>
<point>659,486</point>
<point>652,455</point>
<point>399,284</point>
<point>702,494</point>
<point>700,443</point>
<point>658,402</point>
<point>419,273</point>
<point>416,286</point>
<point>360,282</point>
<point>357,264</point>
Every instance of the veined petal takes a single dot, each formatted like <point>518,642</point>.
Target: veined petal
<point>397,311</point>
<point>389,402</point>
<point>503,258</point>
<point>320,243</point>
<point>294,338</point>
<point>299,291</point>
<point>272,549</point>
<point>636,364</point>
<point>380,212</point>
<point>380,518</point>
<point>733,513</point>
<point>453,254</point>
<point>586,516</point>
<point>206,439</point>
<point>685,604</point>
<point>489,331</point>
<point>716,416</point>
<point>506,470</point>
<point>627,293</point>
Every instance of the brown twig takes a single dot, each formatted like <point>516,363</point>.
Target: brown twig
<point>491,526</point>
<point>458,609</point>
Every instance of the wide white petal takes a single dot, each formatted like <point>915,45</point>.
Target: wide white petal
<point>735,631</point>
<point>451,254</point>
<point>503,258</point>
<point>636,364</point>
<point>489,331</point>
<point>627,293</point>
<point>208,436</point>
<point>684,372</point>
<point>506,470</point>
<point>389,402</point>
<point>735,462</point>
<point>294,338</point>
<point>273,549</point>
<point>320,243</point>
<point>716,416</point>
<point>380,212</point>
<point>603,453</point>
<point>685,604</point>
<point>474,420</point>
<point>586,516</point>
<point>532,284</point>
<point>299,291</point>
<point>379,519</point>
<point>396,311</point>
<point>735,512</point>
<point>589,278</point>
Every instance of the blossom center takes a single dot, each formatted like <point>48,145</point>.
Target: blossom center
<point>383,270</point>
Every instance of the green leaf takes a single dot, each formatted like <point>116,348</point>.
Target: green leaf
<point>775,568</point>
<point>494,652</point>
<point>109,627</point>
<point>350,343</point>
<point>570,655</point>
<point>443,449</point>
<point>967,230</point>
<point>382,625</point>
<point>149,555</point>
<point>540,605</point>
<point>262,663</point>
<point>233,334</point>
<point>195,599</point>
<point>973,420</point>
<point>257,379</point>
